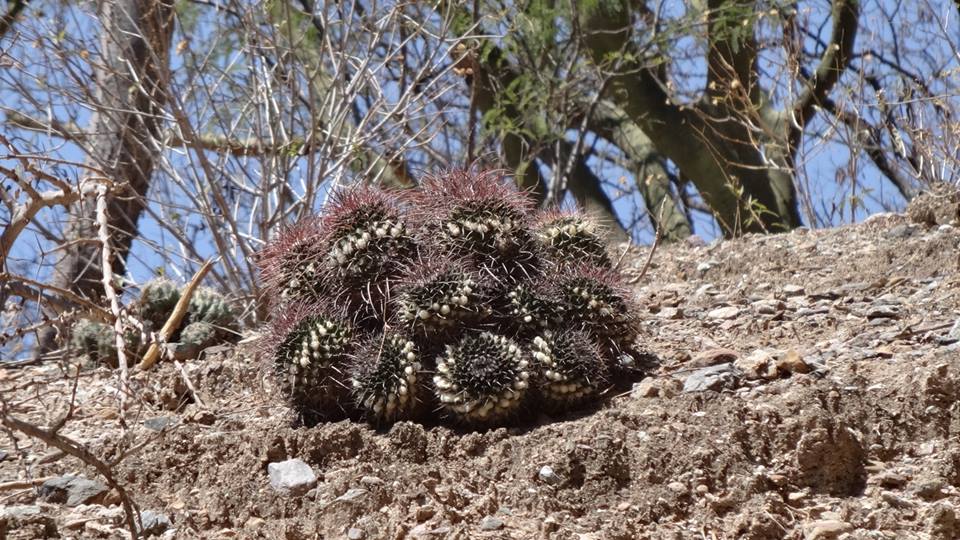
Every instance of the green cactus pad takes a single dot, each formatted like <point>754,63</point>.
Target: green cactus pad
<point>529,308</point>
<point>309,347</point>
<point>440,298</point>
<point>291,265</point>
<point>484,227</point>
<point>368,237</point>
<point>479,215</point>
<point>593,298</point>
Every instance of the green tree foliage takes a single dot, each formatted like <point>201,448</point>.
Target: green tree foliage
<point>603,68</point>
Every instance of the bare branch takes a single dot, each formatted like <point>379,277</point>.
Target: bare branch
<point>24,214</point>
<point>64,300</point>
<point>732,56</point>
<point>214,143</point>
<point>77,450</point>
<point>874,147</point>
<point>647,164</point>
<point>836,57</point>
<point>8,18</point>
<point>106,253</point>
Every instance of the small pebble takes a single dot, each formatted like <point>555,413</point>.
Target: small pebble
<point>352,495</point>
<point>491,523</point>
<point>826,529</point>
<point>547,475</point>
<point>724,313</point>
<point>670,313</point>
<point>154,523</point>
<point>158,423</point>
<point>706,266</point>
<point>793,290</point>
<point>291,477</point>
<point>371,480</point>
<point>425,512</point>
<point>715,378</point>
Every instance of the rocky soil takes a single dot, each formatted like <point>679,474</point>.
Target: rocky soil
<point>807,389</point>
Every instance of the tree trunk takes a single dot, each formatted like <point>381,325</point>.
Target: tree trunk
<point>720,156</point>
<point>129,98</point>
<point>491,77</point>
<point>650,175</point>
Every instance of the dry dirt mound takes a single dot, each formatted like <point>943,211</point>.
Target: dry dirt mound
<point>808,389</point>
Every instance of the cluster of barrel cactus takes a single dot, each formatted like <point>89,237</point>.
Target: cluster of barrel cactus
<point>210,320</point>
<point>458,299</point>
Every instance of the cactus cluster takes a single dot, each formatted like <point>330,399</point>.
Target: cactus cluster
<point>210,320</point>
<point>458,299</point>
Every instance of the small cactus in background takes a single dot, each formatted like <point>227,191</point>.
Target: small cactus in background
<point>94,339</point>
<point>509,309</point>
<point>157,299</point>
<point>98,341</point>
<point>385,377</point>
<point>194,338</point>
<point>482,378</point>
<point>210,320</point>
<point>572,239</point>
<point>211,307</point>
<point>309,346</point>
<point>571,367</point>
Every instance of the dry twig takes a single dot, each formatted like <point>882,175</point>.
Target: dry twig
<point>24,484</point>
<point>153,353</point>
<point>656,242</point>
<point>77,450</point>
<point>186,380</point>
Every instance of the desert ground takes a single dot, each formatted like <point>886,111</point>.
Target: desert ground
<point>806,388</point>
